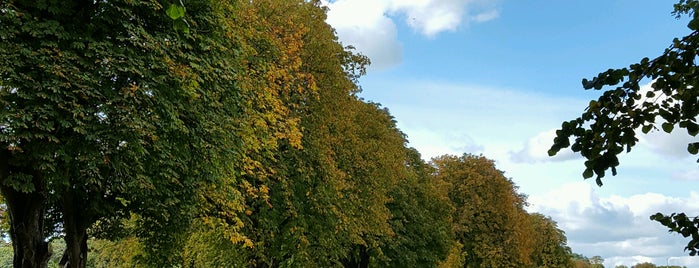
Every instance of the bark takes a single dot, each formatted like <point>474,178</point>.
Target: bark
<point>26,211</point>
<point>360,261</point>
<point>75,227</point>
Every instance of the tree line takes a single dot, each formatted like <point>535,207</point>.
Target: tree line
<point>228,134</point>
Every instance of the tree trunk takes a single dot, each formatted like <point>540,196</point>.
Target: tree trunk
<point>75,254</point>
<point>363,257</point>
<point>26,212</point>
<point>361,260</point>
<point>75,228</point>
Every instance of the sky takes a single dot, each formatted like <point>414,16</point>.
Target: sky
<point>498,77</point>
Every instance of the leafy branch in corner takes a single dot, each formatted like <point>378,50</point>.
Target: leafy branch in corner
<point>609,125</point>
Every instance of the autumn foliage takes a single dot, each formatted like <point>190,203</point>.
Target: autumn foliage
<point>229,134</point>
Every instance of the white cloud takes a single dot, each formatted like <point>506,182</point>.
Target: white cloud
<point>687,175</point>
<point>617,228</point>
<point>364,25</point>
<point>673,144</point>
<point>486,16</point>
<point>454,143</point>
<point>431,17</point>
<point>369,25</point>
<point>536,150</point>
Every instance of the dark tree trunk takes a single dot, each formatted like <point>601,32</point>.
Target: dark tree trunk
<point>75,227</point>
<point>26,212</point>
<point>363,257</point>
<point>75,254</point>
<point>360,260</point>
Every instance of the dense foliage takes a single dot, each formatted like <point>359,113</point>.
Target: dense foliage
<point>610,124</point>
<point>228,134</point>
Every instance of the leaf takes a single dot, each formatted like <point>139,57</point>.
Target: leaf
<point>693,148</point>
<point>667,127</point>
<point>588,173</point>
<point>645,129</point>
<point>693,24</point>
<point>656,216</point>
<point>181,26</point>
<point>175,11</point>
<point>692,129</point>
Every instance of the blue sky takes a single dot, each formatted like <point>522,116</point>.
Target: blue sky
<point>498,77</point>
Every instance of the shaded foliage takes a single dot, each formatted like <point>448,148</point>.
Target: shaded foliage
<point>106,111</point>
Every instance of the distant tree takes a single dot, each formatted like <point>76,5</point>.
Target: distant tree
<point>644,265</point>
<point>489,219</point>
<point>550,248</point>
<point>581,264</point>
<point>597,262</point>
<point>580,261</point>
<point>610,124</point>
<point>621,266</point>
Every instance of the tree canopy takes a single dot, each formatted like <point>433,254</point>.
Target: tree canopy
<point>107,112</point>
<point>228,134</point>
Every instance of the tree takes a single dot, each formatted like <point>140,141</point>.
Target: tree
<point>597,262</point>
<point>420,218</point>
<point>610,124</point>
<point>550,246</point>
<point>107,113</point>
<point>580,261</point>
<point>644,265</point>
<point>322,200</point>
<point>489,219</point>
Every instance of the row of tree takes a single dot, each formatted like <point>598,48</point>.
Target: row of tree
<point>235,139</point>
<point>451,212</point>
<point>649,265</point>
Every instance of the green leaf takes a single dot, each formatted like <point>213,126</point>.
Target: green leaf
<point>692,129</point>
<point>667,127</point>
<point>181,26</point>
<point>693,148</point>
<point>588,173</point>
<point>646,129</point>
<point>175,11</point>
<point>656,216</point>
<point>693,24</point>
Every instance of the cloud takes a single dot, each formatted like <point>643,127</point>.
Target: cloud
<point>687,175</point>
<point>431,17</point>
<point>536,150</point>
<point>672,144</point>
<point>486,16</point>
<point>454,143</point>
<point>668,144</point>
<point>465,118</point>
<point>616,228</point>
<point>372,33</point>
<point>369,25</point>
